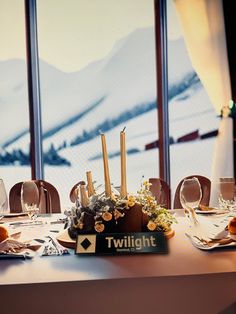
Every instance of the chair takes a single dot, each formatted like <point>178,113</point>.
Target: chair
<point>161,191</point>
<point>206,191</point>
<point>49,199</point>
<point>73,191</point>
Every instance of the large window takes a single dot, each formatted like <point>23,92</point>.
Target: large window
<point>14,118</point>
<point>98,74</point>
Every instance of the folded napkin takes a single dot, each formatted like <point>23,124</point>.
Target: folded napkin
<point>207,237</point>
<point>11,247</point>
<point>53,247</point>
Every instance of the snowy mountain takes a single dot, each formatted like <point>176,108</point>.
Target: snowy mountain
<point>107,88</point>
<point>108,94</point>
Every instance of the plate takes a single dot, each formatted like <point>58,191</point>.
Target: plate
<point>15,255</point>
<point>210,212</point>
<point>65,240</point>
<point>225,242</point>
<point>9,215</point>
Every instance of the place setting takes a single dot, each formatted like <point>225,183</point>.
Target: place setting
<point>28,241</point>
<point>28,234</point>
<point>106,220</point>
<point>209,227</point>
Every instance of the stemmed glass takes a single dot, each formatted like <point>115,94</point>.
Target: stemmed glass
<point>190,196</point>
<point>3,199</point>
<point>227,193</point>
<point>30,199</point>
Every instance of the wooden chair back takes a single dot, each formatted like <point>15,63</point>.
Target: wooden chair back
<point>73,191</point>
<point>206,191</point>
<point>49,199</point>
<point>161,191</point>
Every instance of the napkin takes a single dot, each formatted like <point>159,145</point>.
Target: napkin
<point>14,248</point>
<point>53,247</point>
<point>210,235</point>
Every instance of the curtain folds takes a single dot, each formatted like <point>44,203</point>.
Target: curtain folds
<point>202,23</point>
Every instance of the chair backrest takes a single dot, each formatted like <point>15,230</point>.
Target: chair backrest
<point>48,195</point>
<point>73,191</point>
<point>161,191</point>
<point>206,191</point>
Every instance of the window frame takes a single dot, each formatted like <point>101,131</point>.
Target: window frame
<point>36,150</point>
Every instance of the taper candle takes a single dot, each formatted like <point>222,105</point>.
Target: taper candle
<point>105,165</point>
<point>90,186</point>
<point>123,187</point>
<point>84,200</point>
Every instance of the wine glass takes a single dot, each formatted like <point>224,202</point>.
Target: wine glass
<point>30,199</point>
<point>190,196</point>
<point>227,193</point>
<point>3,199</point>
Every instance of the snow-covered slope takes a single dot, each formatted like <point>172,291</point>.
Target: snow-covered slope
<point>124,79</point>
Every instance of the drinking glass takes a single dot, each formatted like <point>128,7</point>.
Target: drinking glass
<point>190,196</point>
<point>3,199</point>
<point>30,199</point>
<point>227,193</point>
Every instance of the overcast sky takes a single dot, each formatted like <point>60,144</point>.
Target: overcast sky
<point>73,33</point>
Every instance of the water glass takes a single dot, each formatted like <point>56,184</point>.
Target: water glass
<point>30,199</point>
<point>190,196</point>
<point>227,193</point>
<point>190,193</point>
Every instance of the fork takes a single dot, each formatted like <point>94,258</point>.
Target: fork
<point>202,243</point>
<point>211,242</point>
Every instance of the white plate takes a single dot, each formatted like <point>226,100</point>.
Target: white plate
<point>65,240</point>
<point>213,211</point>
<point>8,215</point>
<point>198,244</point>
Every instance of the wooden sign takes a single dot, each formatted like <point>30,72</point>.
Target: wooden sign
<point>121,243</point>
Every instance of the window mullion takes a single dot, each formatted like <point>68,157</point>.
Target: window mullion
<point>162,89</point>
<point>36,151</point>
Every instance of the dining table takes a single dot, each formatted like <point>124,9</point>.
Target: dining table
<point>187,279</point>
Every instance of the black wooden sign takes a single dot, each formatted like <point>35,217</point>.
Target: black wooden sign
<point>121,243</point>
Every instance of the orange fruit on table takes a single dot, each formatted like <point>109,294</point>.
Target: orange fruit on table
<point>232,226</point>
<point>3,233</point>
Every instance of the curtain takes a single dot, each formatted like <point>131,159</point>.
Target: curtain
<point>202,23</point>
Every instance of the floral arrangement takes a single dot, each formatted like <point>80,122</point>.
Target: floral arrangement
<point>160,219</point>
<point>104,210</point>
<point>100,213</point>
<point>113,211</point>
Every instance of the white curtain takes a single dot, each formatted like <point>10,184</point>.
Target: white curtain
<point>202,23</point>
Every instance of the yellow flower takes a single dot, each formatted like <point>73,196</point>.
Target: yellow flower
<point>107,216</point>
<point>99,227</point>
<point>131,198</point>
<point>151,225</point>
<point>150,198</point>
<point>146,183</point>
<point>130,202</point>
<point>117,214</point>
